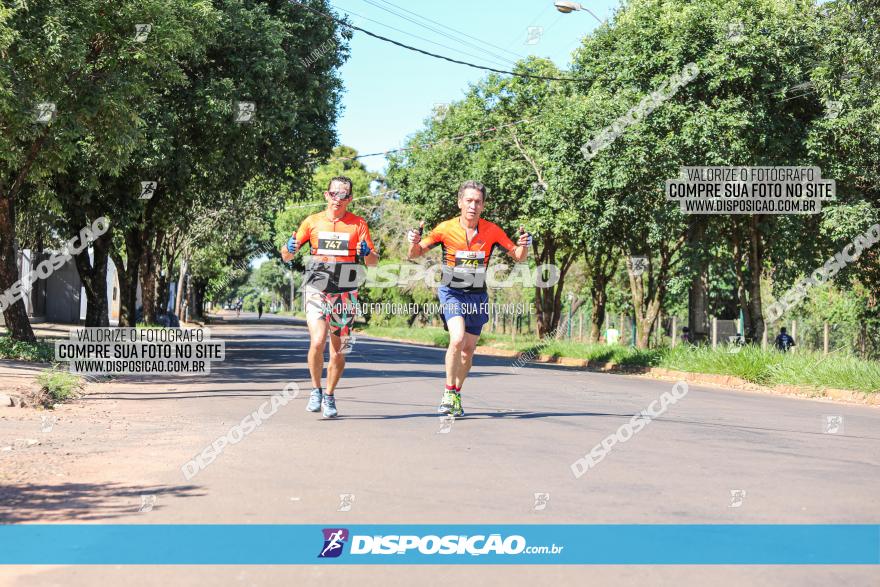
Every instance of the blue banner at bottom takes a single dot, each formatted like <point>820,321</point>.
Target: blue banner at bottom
<point>712,544</point>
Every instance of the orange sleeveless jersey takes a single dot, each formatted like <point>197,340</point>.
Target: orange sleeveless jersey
<point>334,242</point>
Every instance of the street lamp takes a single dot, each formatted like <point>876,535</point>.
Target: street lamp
<point>565,7</point>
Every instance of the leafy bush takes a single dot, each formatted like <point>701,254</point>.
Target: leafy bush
<point>41,351</point>
<point>58,386</point>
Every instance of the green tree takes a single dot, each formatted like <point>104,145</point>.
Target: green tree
<point>500,114</point>
<point>213,162</point>
<point>80,62</point>
<point>273,277</point>
<point>733,113</point>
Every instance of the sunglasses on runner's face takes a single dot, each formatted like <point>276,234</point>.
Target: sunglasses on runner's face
<point>339,195</point>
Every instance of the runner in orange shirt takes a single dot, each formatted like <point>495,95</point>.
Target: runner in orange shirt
<point>337,240</point>
<point>467,243</point>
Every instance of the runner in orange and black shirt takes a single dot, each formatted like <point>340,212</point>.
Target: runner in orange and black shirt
<point>337,240</point>
<point>467,242</point>
<point>465,259</point>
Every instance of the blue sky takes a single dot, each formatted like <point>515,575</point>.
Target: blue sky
<point>390,91</point>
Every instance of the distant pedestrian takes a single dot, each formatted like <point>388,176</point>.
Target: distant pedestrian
<point>686,335</point>
<point>259,309</point>
<point>784,341</point>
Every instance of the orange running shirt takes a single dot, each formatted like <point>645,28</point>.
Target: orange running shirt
<point>333,246</point>
<point>465,260</point>
<point>334,242</point>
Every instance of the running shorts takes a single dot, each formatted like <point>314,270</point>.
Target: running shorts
<point>472,306</point>
<point>339,309</point>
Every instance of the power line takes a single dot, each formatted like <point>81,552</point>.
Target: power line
<point>432,144</point>
<point>435,55</point>
<point>495,57</point>
<point>515,54</point>
<point>423,146</point>
<point>323,202</point>
<point>409,33</point>
<point>457,32</point>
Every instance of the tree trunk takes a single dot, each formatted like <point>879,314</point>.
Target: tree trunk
<point>149,269</point>
<point>599,297</point>
<point>148,293</point>
<point>184,267</point>
<point>698,294</point>
<point>642,307</point>
<point>129,274</point>
<point>17,322</point>
<point>741,281</point>
<point>170,260</point>
<point>647,303</point>
<point>198,307</point>
<point>601,270</point>
<point>191,299</point>
<point>164,271</point>
<point>161,291</point>
<point>93,274</point>
<point>756,267</point>
<point>548,300</point>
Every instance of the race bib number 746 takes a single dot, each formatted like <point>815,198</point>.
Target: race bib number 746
<point>469,260</point>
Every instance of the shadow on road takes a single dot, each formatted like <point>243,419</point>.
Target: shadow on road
<point>29,502</point>
<point>483,415</point>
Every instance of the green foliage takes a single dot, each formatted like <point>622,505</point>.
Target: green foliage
<point>432,336</point>
<point>42,351</point>
<point>804,369</point>
<point>273,279</point>
<point>417,293</point>
<point>82,56</point>
<point>58,386</point>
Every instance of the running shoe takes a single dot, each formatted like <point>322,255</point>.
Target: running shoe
<point>315,400</point>
<point>447,403</point>
<point>457,410</point>
<point>330,406</point>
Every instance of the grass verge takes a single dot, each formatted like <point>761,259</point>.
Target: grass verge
<point>42,351</point>
<point>806,369</point>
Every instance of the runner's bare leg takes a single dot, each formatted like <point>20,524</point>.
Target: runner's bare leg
<point>454,362</point>
<point>337,363</point>
<point>467,357</point>
<point>318,335</point>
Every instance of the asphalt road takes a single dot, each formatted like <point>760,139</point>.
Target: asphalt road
<point>716,456</point>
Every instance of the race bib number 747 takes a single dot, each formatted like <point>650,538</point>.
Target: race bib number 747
<point>333,243</point>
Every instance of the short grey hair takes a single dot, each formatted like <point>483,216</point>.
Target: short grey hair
<point>472,185</point>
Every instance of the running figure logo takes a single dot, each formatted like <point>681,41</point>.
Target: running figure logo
<point>46,112</point>
<point>833,424</point>
<point>245,111</point>
<point>47,423</point>
<point>736,498</point>
<point>148,188</point>
<point>334,541</point>
<point>638,265</point>
<point>345,500</point>
<point>541,501</point>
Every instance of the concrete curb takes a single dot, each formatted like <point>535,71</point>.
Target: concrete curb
<point>728,381</point>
